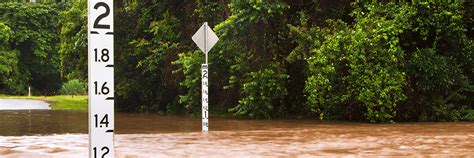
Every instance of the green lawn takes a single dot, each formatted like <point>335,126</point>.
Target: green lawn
<point>60,102</point>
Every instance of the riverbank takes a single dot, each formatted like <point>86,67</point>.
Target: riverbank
<point>59,102</point>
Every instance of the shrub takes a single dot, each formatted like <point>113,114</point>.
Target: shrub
<point>73,87</point>
<point>261,91</point>
<point>440,63</point>
<point>410,58</point>
<point>361,66</point>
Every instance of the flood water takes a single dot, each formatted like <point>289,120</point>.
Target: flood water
<point>64,134</point>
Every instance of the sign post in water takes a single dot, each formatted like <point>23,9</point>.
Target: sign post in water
<point>205,39</point>
<point>101,78</point>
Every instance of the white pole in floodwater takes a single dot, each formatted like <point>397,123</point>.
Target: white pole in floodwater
<point>29,91</point>
<point>205,97</point>
<point>205,39</point>
<point>100,31</point>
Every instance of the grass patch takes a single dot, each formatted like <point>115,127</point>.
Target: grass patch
<point>59,102</point>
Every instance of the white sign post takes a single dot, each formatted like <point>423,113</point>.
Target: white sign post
<point>101,78</point>
<point>205,39</point>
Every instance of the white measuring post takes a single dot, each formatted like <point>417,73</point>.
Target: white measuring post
<point>205,97</point>
<point>205,39</point>
<point>101,78</point>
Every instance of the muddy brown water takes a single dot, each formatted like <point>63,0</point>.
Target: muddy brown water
<point>64,134</point>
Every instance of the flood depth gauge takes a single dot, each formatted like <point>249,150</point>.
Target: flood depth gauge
<point>101,78</point>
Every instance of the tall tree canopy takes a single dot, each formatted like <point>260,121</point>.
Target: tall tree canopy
<point>348,60</point>
<point>34,36</point>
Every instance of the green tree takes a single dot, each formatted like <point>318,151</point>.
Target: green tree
<point>245,57</point>
<point>440,63</point>
<point>73,41</point>
<point>35,36</point>
<point>9,72</point>
<point>410,59</point>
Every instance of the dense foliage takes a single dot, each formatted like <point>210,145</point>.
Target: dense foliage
<point>9,71</point>
<point>413,60</point>
<point>31,47</point>
<point>73,41</point>
<point>372,61</point>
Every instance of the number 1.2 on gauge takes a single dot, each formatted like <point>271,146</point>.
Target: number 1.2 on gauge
<point>101,78</point>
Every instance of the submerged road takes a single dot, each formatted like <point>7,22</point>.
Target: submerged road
<point>23,104</point>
